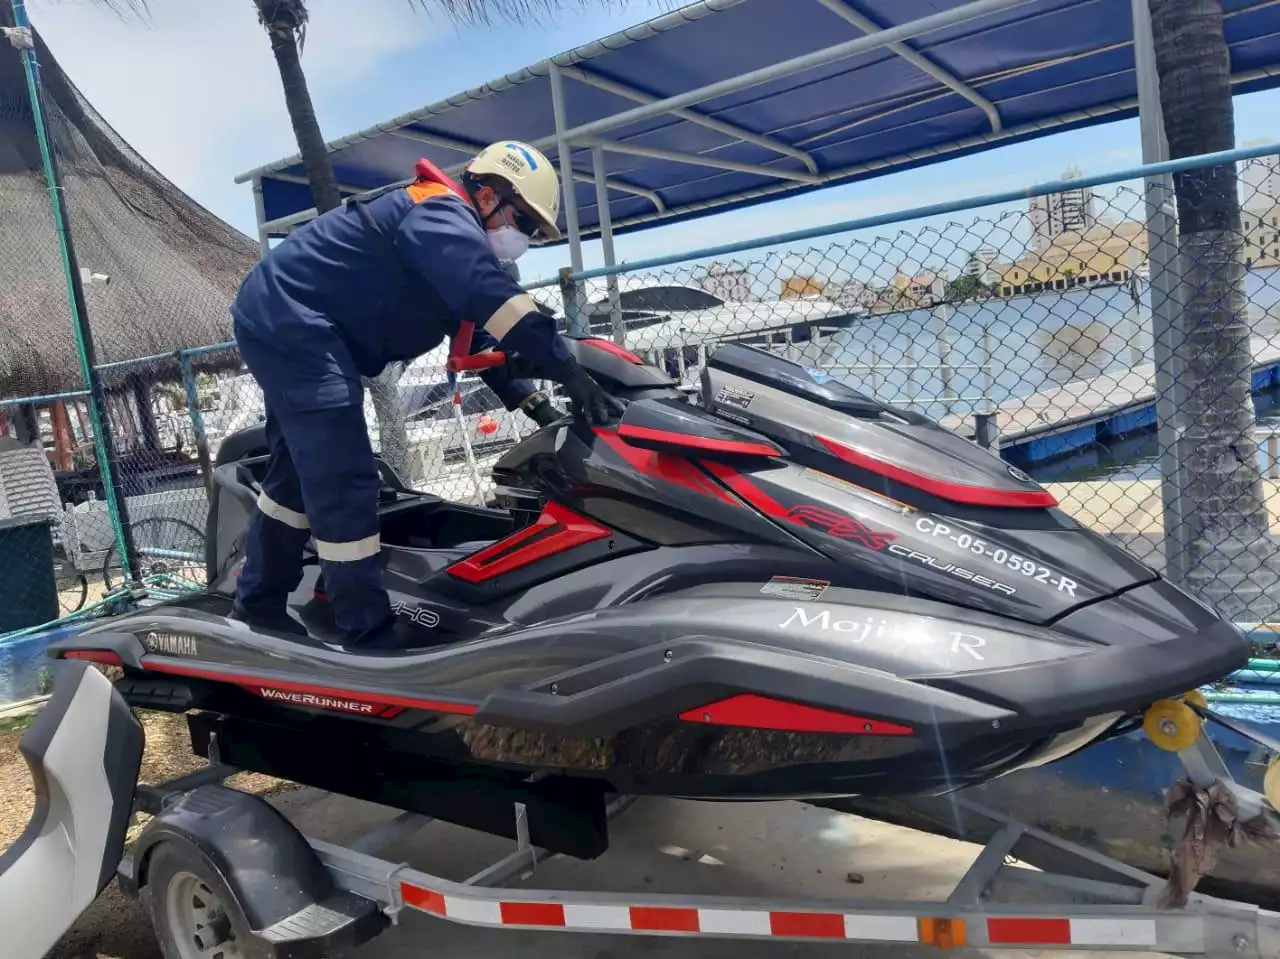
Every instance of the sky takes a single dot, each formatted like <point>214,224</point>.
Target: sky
<point>193,87</point>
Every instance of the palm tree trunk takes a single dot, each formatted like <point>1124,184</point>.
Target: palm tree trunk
<point>283,20</point>
<point>282,28</point>
<point>1232,557</point>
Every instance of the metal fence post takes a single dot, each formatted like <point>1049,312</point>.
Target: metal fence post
<point>875,367</point>
<point>197,421</point>
<point>606,245</point>
<point>104,447</point>
<point>944,357</point>
<point>564,151</point>
<point>912,392</point>
<point>986,431</point>
<point>571,293</point>
<point>260,211</point>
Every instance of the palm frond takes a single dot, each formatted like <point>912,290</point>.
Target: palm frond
<point>470,12</point>
<point>128,9</point>
<point>283,15</point>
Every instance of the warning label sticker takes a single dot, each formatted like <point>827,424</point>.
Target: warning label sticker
<point>731,396</point>
<point>793,587</point>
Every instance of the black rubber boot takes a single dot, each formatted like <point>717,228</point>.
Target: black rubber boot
<point>393,634</point>
<point>279,622</point>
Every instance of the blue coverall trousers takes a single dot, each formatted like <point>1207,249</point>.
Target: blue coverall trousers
<point>321,481</point>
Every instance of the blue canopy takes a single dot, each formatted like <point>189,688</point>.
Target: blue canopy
<point>958,77</point>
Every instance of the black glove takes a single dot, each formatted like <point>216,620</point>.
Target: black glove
<point>589,401</point>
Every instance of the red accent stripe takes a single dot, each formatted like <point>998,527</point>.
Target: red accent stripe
<point>384,699</point>
<point>815,925</point>
<point>760,712</point>
<point>658,919</point>
<point>557,529</point>
<point>531,913</point>
<point>748,490</point>
<point>608,346</point>
<point>808,515</point>
<point>943,489</point>
<point>705,444</point>
<point>1038,931</point>
<point>103,656</point>
<point>666,467</point>
<point>423,899</point>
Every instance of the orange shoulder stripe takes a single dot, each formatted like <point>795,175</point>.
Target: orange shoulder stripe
<point>421,192</point>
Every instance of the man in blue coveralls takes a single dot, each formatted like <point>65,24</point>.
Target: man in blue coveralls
<point>375,281</point>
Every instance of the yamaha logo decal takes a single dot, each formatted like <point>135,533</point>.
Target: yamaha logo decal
<point>1020,476</point>
<point>171,644</point>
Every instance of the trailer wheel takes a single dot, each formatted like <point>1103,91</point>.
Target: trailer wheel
<point>193,913</point>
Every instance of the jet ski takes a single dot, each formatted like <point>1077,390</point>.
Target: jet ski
<point>786,590</point>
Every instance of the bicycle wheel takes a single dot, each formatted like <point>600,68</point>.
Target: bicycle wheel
<point>72,586</point>
<point>167,547</point>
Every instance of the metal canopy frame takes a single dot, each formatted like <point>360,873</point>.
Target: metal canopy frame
<point>791,167</point>
<point>681,106</point>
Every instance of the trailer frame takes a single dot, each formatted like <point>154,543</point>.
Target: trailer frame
<point>1025,889</point>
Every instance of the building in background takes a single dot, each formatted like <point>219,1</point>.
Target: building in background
<point>1261,237</point>
<point>1101,255</point>
<point>1071,211</point>
<point>854,296</point>
<point>731,283</point>
<point>984,265</point>
<point>1260,181</point>
<point>798,287</point>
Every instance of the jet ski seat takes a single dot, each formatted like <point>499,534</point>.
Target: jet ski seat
<point>422,533</point>
<point>251,444</point>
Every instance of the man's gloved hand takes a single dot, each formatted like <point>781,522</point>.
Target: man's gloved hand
<point>589,401</point>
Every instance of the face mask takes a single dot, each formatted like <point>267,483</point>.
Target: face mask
<point>508,243</point>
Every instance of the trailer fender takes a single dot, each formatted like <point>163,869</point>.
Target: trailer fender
<point>84,751</point>
<point>250,845</point>
<point>290,905</point>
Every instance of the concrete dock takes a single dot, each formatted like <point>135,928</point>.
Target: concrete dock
<point>1055,422</point>
<point>1132,506</point>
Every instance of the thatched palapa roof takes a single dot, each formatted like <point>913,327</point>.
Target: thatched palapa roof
<point>173,266</point>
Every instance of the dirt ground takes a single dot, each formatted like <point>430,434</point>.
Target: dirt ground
<point>114,927</point>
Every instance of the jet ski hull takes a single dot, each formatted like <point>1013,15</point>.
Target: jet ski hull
<point>856,694</point>
<point>794,592</point>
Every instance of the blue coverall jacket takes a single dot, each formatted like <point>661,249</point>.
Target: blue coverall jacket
<point>350,292</point>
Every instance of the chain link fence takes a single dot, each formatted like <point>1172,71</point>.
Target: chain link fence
<point>1049,331</point>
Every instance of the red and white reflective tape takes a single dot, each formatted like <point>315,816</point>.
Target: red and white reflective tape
<point>1094,932</point>
<point>665,919</point>
<point>1084,931</point>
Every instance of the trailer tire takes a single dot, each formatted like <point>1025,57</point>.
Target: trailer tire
<point>191,908</point>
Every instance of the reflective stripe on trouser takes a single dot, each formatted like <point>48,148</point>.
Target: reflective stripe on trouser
<point>321,466</point>
<point>273,546</point>
<point>333,465</point>
<point>281,513</point>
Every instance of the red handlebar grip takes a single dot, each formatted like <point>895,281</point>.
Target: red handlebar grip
<point>477,361</point>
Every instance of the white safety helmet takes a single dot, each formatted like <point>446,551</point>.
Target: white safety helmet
<point>530,175</point>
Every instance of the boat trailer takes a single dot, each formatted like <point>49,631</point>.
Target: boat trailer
<point>225,874</point>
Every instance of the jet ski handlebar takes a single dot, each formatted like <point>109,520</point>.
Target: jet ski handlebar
<point>462,360</point>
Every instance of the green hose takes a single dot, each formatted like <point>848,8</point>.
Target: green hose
<point>78,321</point>
<point>1266,698</point>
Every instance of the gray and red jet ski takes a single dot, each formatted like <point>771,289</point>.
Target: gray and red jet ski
<point>790,590</point>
